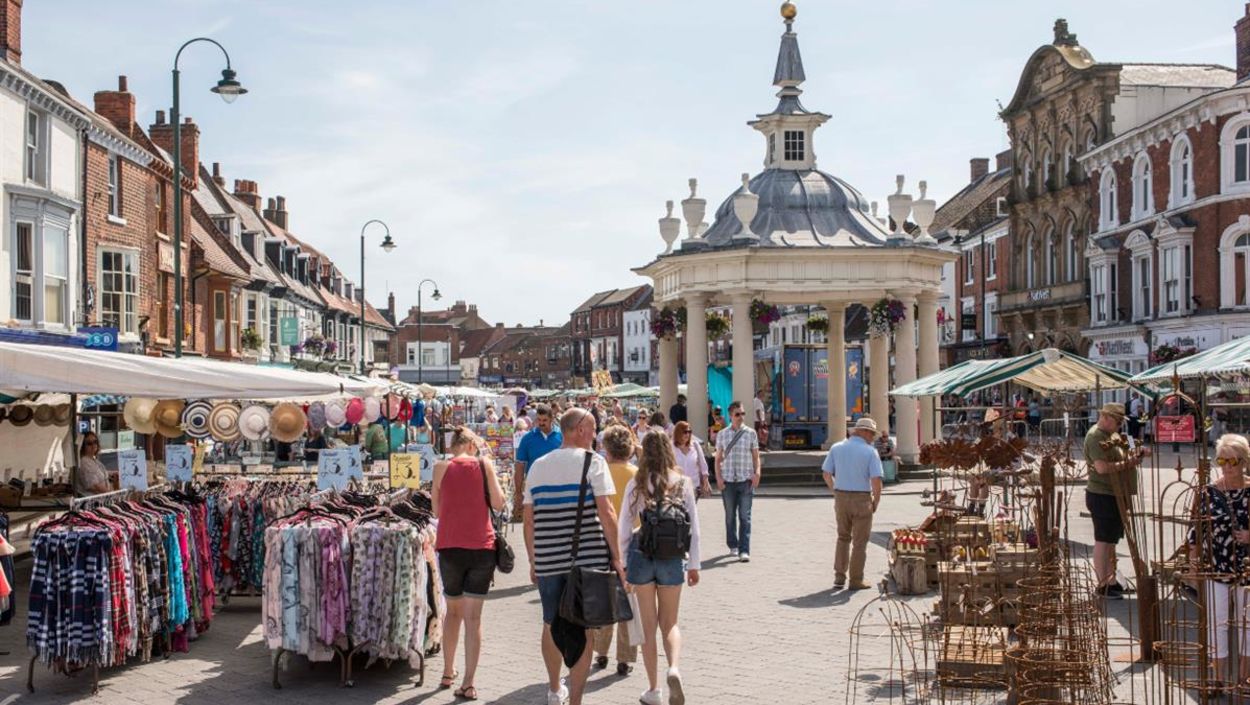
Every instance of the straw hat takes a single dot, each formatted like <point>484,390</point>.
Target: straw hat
<point>195,419</point>
<point>64,414</point>
<point>168,417</point>
<point>287,422</point>
<point>317,415</point>
<point>21,414</point>
<point>865,423</point>
<point>1113,409</point>
<point>45,415</point>
<point>336,413</point>
<point>355,411</point>
<point>138,415</point>
<point>223,421</point>
<point>254,423</point>
<point>373,409</point>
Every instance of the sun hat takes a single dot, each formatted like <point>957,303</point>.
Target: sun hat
<point>64,414</point>
<point>355,411</point>
<point>287,422</point>
<point>138,415</point>
<point>317,416</point>
<point>45,414</point>
<point>1113,409</point>
<point>168,417</point>
<point>195,418</point>
<point>21,414</point>
<point>336,414</point>
<point>223,421</point>
<point>254,423</point>
<point>373,409</point>
<point>865,423</point>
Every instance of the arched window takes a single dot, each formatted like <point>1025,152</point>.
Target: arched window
<point>1235,264</point>
<point>1026,172</point>
<point>1107,198</point>
<point>1069,254</point>
<point>1030,263</point>
<point>1182,187</point>
<point>1052,260</point>
<point>1048,169</point>
<point>1235,155</point>
<point>1091,140</point>
<point>1241,155</point>
<point>1143,197</point>
<point>1067,163</point>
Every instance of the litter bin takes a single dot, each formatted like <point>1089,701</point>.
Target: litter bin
<point>889,471</point>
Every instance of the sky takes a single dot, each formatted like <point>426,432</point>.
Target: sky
<point>521,152</point>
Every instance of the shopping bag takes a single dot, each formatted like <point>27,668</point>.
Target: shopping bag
<point>636,637</point>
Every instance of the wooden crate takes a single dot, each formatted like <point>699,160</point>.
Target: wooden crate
<point>971,652</point>
<point>910,575</point>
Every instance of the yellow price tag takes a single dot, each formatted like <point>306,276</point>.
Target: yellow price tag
<point>405,470</point>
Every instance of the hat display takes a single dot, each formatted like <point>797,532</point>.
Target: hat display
<point>865,423</point>
<point>223,421</point>
<point>64,414</point>
<point>373,409</point>
<point>287,422</point>
<point>254,423</point>
<point>355,411</point>
<point>1113,409</point>
<point>392,405</point>
<point>168,417</point>
<point>336,413</point>
<point>45,415</point>
<point>195,419</point>
<point>405,411</point>
<point>138,415</point>
<point>21,415</point>
<point>317,416</point>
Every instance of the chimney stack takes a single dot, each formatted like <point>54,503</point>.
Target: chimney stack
<point>11,31</point>
<point>118,107</point>
<point>162,134</point>
<point>248,192</point>
<point>1003,160</point>
<point>217,177</point>
<point>980,166</point>
<point>267,214</point>
<point>1242,28</point>
<point>390,305</point>
<point>279,212</point>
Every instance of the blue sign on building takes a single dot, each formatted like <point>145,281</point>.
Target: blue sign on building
<point>98,338</point>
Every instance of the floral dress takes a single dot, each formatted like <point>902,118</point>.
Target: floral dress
<point>1230,512</point>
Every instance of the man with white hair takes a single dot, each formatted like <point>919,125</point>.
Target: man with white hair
<point>854,466</point>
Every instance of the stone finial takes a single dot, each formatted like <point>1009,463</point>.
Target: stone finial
<point>746,181</point>
<point>746,205</point>
<point>694,186</point>
<point>668,207</point>
<point>900,208</point>
<point>898,181</point>
<point>693,209</point>
<point>924,186</point>
<point>670,228</point>
<point>924,210</point>
<point>1062,36</point>
<point>875,205</point>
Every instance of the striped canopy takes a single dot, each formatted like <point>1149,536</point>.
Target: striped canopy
<point>1228,359</point>
<point>1046,371</point>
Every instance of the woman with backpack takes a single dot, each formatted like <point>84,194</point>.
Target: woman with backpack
<point>660,556</point>
<point>465,489</point>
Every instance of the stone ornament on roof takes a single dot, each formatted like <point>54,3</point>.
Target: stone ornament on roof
<point>1064,38</point>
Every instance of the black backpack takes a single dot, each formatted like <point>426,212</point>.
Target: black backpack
<point>665,530</point>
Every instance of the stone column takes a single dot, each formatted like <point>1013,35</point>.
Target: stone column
<point>837,372</point>
<point>904,372</point>
<point>743,355</point>
<point>879,381</point>
<point>927,362</point>
<point>696,364</point>
<point>668,373</point>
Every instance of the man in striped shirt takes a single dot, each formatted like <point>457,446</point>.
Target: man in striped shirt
<point>551,499</point>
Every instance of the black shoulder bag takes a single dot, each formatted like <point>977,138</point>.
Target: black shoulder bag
<point>505,559</point>
<point>592,598</point>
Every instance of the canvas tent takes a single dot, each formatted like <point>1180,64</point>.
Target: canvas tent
<point>1046,371</point>
<point>1225,360</point>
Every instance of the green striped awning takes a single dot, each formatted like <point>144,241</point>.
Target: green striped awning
<point>1228,359</point>
<point>1047,370</point>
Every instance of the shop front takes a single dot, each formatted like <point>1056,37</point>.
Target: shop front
<point>1122,348</point>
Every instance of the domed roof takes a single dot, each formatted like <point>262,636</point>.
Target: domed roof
<point>800,208</point>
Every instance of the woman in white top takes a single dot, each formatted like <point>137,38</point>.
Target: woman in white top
<point>91,477</point>
<point>657,581</point>
<point>690,458</point>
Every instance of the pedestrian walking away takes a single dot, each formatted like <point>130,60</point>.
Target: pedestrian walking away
<point>618,445</point>
<point>660,556</point>
<point>737,476</point>
<point>853,471</point>
<point>466,550</point>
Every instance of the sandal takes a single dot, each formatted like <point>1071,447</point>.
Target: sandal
<point>467,692</point>
<point>448,681</point>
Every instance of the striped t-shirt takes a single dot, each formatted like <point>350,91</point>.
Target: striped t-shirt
<point>551,489</point>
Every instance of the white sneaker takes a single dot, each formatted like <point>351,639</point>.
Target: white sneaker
<point>652,697</point>
<point>676,694</point>
<point>733,552</point>
<point>744,557</point>
<point>558,698</point>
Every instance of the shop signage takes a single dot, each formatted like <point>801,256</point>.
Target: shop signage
<point>1122,346</point>
<point>1039,295</point>
<point>335,466</point>
<point>1175,429</point>
<point>968,321</point>
<point>98,338</point>
<point>405,470</point>
<point>288,330</point>
<point>132,469</point>
<point>178,462</point>
<point>165,257</point>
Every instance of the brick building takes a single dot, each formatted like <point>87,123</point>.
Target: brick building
<point>597,331</point>
<point>438,338</point>
<point>523,356</point>
<point>1170,210</point>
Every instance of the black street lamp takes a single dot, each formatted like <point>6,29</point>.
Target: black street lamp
<point>229,89</point>
<point>420,328</point>
<point>387,244</point>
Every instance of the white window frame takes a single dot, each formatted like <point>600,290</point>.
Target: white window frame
<point>991,260</point>
<point>127,317</point>
<point>1143,194</point>
<point>28,275</point>
<point>35,136</point>
<point>1098,293</point>
<point>1181,190</point>
<point>1234,141</point>
<point>1108,217</point>
<point>989,315</point>
<point>115,186</point>
<point>1141,256</point>
<point>1176,284</point>
<point>969,265</point>
<point>967,304</point>
<point>1230,247</point>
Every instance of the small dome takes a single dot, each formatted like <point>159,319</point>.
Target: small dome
<point>801,208</point>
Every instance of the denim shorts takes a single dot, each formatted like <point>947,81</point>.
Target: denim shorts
<point>550,588</point>
<point>640,570</point>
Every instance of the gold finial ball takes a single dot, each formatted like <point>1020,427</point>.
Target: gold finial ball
<point>789,11</point>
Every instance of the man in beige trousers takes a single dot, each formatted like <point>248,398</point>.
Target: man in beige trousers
<point>852,470</point>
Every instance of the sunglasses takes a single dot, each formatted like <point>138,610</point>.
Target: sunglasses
<point>1227,461</point>
<point>739,413</point>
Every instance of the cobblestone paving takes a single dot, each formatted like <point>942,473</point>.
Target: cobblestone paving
<point>768,631</point>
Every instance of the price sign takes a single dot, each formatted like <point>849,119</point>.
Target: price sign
<point>333,465</point>
<point>178,462</point>
<point>1175,429</point>
<point>428,458</point>
<point>355,462</point>
<point>405,470</point>
<point>132,469</point>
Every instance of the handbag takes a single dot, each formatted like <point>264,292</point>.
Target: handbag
<point>505,559</point>
<point>592,598</point>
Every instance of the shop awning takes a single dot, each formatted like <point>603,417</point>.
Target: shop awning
<point>1226,360</point>
<point>1046,371</point>
<point>37,368</point>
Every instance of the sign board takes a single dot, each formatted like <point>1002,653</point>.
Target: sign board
<point>98,338</point>
<point>125,439</point>
<point>968,321</point>
<point>405,470</point>
<point>165,257</point>
<point>132,469</point>
<point>333,469</point>
<point>178,462</point>
<point>288,330</point>
<point>1175,429</point>
<point>428,457</point>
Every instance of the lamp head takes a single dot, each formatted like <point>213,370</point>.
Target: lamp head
<point>437,294</point>
<point>228,87</point>
<point>387,243</point>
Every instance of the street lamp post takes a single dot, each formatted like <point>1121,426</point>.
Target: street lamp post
<point>229,89</point>
<point>420,327</point>
<point>387,244</point>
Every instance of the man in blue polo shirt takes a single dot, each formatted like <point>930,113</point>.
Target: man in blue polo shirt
<point>855,466</point>
<point>539,441</point>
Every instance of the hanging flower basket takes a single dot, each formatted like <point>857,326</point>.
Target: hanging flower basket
<point>315,345</point>
<point>717,326</point>
<point>885,316</point>
<point>818,324</point>
<point>1170,353</point>
<point>250,339</point>
<point>328,350</point>
<point>668,322</point>
<point>763,315</point>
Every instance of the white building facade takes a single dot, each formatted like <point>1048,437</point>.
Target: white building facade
<point>637,338</point>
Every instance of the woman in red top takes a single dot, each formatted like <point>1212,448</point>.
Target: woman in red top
<point>466,550</point>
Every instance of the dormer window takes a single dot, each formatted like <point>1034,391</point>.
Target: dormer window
<point>772,148</point>
<point>794,146</point>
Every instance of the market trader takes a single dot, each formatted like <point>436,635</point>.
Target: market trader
<point>854,466</point>
<point>1107,453</point>
<point>539,441</point>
